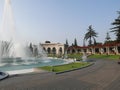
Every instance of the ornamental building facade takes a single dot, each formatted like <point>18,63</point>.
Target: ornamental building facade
<point>60,49</point>
<point>109,48</point>
<point>53,48</point>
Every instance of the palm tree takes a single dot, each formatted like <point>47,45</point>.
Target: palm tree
<point>91,34</point>
<point>116,29</point>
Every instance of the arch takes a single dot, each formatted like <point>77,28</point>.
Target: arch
<point>97,50</point>
<point>44,49</point>
<point>68,51</point>
<point>54,50</point>
<point>79,50</point>
<point>104,50</point>
<point>90,50</point>
<point>73,50</point>
<point>84,50</point>
<point>118,48</point>
<point>49,50</point>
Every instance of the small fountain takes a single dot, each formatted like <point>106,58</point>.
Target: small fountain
<point>65,55</point>
<point>84,57</point>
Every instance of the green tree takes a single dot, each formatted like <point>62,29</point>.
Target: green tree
<point>66,42</point>
<point>90,36</point>
<point>66,46</point>
<point>75,42</point>
<point>31,47</point>
<point>116,28</point>
<point>107,37</point>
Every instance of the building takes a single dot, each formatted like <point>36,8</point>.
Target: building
<point>53,48</point>
<point>60,49</point>
<point>107,48</point>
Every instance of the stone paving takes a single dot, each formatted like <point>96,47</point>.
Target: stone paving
<point>103,75</point>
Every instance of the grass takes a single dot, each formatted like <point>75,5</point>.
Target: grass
<point>95,56</point>
<point>76,65</point>
<point>73,56</point>
<point>77,56</point>
<point>66,67</point>
<point>110,57</point>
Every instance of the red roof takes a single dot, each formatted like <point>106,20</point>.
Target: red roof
<point>95,46</point>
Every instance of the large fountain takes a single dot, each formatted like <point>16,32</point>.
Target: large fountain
<point>11,47</point>
<point>15,54</point>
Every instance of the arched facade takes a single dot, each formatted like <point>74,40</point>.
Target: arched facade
<point>112,48</point>
<point>54,48</point>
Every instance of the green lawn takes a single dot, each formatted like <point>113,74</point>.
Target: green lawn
<point>95,56</point>
<point>66,67</point>
<point>78,56</point>
<point>110,57</point>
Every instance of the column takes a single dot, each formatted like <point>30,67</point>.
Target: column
<point>116,49</point>
<point>93,50</point>
<point>107,50</point>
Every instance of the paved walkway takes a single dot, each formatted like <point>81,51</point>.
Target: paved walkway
<point>103,75</point>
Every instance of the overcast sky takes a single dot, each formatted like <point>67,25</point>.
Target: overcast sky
<point>58,20</point>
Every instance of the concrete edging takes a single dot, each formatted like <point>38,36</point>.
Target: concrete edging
<point>3,75</point>
<point>73,69</point>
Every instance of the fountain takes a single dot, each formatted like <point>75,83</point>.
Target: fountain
<point>11,47</point>
<point>16,54</point>
<point>84,57</point>
<point>10,44</point>
<point>65,55</point>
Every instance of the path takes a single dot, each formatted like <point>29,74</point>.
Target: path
<point>103,75</point>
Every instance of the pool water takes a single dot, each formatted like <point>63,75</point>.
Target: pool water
<point>10,65</point>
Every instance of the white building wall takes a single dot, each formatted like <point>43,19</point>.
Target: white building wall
<point>54,45</point>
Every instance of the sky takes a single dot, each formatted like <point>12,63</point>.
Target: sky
<point>58,20</point>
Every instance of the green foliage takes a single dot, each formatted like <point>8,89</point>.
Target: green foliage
<point>66,67</point>
<point>66,43</point>
<point>91,34</point>
<point>110,42</point>
<point>116,28</point>
<point>76,55</point>
<point>52,55</point>
<point>31,47</point>
<point>107,37</point>
<point>75,42</point>
<point>109,57</point>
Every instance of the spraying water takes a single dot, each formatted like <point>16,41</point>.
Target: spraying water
<point>11,46</point>
<point>84,57</point>
<point>15,54</point>
<point>8,25</point>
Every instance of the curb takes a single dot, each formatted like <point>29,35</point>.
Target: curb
<point>3,75</point>
<point>73,69</point>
